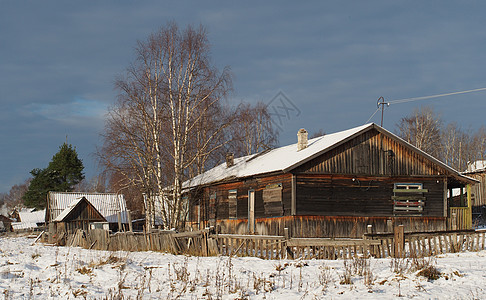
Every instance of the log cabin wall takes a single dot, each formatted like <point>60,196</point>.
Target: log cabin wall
<point>339,195</point>
<point>213,203</point>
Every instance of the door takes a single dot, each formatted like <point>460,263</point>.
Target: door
<point>251,211</point>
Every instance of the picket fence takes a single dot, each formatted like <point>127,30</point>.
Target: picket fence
<point>205,243</point>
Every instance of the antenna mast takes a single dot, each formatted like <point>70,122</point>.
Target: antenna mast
<point>382,103</point>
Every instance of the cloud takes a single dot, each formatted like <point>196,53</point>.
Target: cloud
<point>69,112</point>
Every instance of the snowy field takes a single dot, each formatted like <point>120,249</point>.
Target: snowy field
<point>46,272</point>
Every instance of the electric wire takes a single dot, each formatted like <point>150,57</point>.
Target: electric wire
<point>405,100</point>
<point>433,96</point>
<point>373,115</point>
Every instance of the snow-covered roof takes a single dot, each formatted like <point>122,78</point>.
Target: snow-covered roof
<point>29,215</point>
<point>23,225</point>
<point>108,204</point>
<point>286,158</point>
<point>68,209</point>
<point>477,166</point>
<point>280,159</point>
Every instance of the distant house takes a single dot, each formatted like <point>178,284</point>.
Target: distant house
<point>332,186</point>
<point>108,205</point>
<point>477,170</point>
<point>29,219</point>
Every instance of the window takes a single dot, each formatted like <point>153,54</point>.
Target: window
<point>272,200</point>
<point>408,199</point>
<point>232,204</point>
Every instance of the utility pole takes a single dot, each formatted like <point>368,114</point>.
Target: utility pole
<point>382,103</point>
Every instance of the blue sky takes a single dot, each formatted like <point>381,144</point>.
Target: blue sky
<point>331,59</point>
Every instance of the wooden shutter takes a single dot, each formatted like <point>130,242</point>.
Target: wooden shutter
<point>232,204</point>
<point>272,200</point>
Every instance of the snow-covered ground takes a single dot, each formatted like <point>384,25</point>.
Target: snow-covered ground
<point>44,272</point>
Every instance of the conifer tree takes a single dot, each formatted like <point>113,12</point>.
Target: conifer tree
<point>61,175</point>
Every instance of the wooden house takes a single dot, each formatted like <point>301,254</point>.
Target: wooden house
<point>79,214</point>
<point>330,186</point>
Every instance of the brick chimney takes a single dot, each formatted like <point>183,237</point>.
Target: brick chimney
<point>230,159</point>
<point>301,139</point>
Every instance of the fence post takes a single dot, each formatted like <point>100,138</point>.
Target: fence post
<point>399,241</point>
<point>369,231</point>
<point>118,215</point>
<point>290,253</point>
<point>389,225</point>
<point>129,217</point>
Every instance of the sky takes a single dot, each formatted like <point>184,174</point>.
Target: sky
<point>328,62</point>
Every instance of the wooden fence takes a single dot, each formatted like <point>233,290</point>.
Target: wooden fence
<point>194,243</point>
<point>203,243</point>
<point>428,243</point>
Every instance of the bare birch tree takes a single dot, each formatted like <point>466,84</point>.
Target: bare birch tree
<point>252,130</point>
<point>154,131</point>
<point>451,144</point>
<point>423,130</point>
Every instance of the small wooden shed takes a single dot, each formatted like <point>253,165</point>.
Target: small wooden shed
<point>78,215</point>
<point>330,186</point>
<point>112,206</point>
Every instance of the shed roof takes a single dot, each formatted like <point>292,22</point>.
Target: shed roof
<point>71,207</point>
<point>108,204</point>
<point>287,158</point>
<point>23,225</point>
<point>30,215</point>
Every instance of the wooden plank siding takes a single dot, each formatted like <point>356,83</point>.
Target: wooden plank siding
<point>242,187</point>
<point>84,212</point>
<point>369,154</point>
<point>341,195</point>
<point>478,190</point>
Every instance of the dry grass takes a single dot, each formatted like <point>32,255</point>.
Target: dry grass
<point>85,270</point>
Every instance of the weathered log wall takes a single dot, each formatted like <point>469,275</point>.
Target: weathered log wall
<point>340,195</point>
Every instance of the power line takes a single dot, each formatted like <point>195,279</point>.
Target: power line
<point>373,115</point>
<point>434,96</point>
<point>383,103</point>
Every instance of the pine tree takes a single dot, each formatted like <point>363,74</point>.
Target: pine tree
<point>63,172</point>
